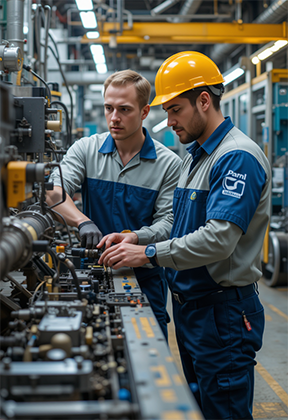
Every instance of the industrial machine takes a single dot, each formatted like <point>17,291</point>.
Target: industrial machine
<point>77,340</point>
<point>260,109</point>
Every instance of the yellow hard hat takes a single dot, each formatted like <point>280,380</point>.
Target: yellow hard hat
<point>184,71</point>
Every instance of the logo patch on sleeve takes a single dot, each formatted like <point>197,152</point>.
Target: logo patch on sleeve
<point>234,184</point>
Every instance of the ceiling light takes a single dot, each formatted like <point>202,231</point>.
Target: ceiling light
<point>268,50</point>
<point>88,19</point>
<point>255,60</point>
<point>158,127</point>
<point>84,4</point>
<point>279,44</point>
<point>96,49</point>
<point>92,34</point>
<point>101,68</point>
<point>99,59</point>
<point>265,54</point>
<point>233,75</point>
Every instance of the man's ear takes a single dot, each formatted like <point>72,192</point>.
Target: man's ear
<point>205,100</point>
<point>145,111</point>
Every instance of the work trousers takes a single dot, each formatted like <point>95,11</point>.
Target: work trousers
<point>217,350</point>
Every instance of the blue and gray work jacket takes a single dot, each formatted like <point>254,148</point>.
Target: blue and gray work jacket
<point>137,196</point>
<point>221,210</point>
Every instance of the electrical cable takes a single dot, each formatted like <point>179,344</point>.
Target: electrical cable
<point>66,226</point>
<point>36,290</point>
<point>28,68</point>
<point>57,58</point>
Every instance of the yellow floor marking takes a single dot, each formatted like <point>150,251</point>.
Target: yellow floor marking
<point>272,383</point>
<point>136,328</point>
<point>268,317</point>
<point>273,308</point>
<point>268,411</point>
<point>153,322</point>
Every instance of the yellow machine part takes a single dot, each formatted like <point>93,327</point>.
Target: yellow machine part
<point>17,188</point>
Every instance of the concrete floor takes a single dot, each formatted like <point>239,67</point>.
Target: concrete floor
<point>271,372</point>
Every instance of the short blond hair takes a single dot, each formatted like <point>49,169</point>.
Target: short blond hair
<point>124,77</point>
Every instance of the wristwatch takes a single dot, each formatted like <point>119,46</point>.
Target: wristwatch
<point>150,252</point>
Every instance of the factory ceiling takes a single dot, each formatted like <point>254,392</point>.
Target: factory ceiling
<point>141,34</point>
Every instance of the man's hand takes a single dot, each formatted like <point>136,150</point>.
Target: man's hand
<point>116,238</point>
<point>124,255</point>
<point>89,233</point>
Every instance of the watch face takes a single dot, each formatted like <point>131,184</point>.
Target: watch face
<point>150,251</point>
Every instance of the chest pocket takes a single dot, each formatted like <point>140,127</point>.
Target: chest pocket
<point>189,207</point>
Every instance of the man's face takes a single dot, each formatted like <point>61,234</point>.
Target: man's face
<point>187,122</point>
<point>122,112</point>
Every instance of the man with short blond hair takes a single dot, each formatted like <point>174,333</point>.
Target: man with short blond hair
<point>127,181</point>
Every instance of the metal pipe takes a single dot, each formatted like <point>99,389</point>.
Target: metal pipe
<point>15,13</point>
<point>181,17</point>
<point>47,26</point>
<point>120,15</point>
<point>18,236</point>
<point>29,49</point>
<point>189,7</point>
<point>275,13</point>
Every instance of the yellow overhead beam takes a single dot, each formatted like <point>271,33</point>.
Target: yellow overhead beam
<point>192,32</point>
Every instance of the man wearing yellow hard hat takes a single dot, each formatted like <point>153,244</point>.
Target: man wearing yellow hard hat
<point>221,210</point>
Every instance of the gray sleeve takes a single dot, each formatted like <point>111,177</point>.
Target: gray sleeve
<point>163,216</point>
<point>213,242</point>
<point>73,167</point>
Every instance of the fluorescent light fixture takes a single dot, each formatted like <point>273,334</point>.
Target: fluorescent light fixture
<point>255,60</point>
<point>278,45</point>
<point>88,19</point>
<point>162,7</point>
<point>268,50</point>
<point>92,34</point>
<point>101,68</point>
<point>84,4</point>
<point>233,75</point>
<point>96,88</point>
<point>96,49</point>
<point>160,126</point>
<point>99,59</point>
<point>265,54</point>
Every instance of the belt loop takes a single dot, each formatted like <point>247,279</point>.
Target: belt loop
<point>239,293</point>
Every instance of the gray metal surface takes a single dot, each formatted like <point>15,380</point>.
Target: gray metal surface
<point>161,391</point>
<point>33,109</point>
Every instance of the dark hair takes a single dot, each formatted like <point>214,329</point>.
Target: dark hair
<point>193,94</point>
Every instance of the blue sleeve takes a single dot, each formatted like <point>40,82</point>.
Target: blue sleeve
<point>236,183</point>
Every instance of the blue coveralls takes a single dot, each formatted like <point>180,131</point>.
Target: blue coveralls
<point>137,197</point>
<point>217,348</point>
